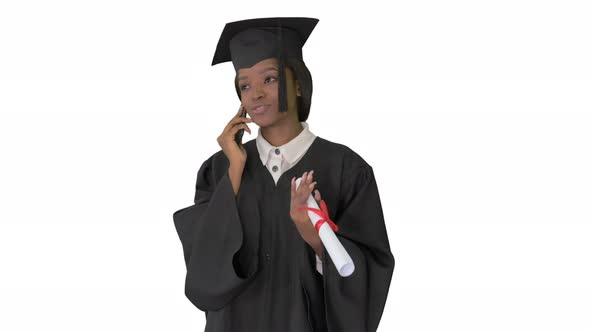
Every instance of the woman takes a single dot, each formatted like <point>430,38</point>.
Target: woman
<point>251,253</point>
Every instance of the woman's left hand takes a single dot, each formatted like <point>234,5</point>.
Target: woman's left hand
<point>300,217</point>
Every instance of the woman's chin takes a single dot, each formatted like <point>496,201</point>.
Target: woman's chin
<point>262,121</point>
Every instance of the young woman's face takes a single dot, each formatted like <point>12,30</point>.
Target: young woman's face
<point>259,88</point>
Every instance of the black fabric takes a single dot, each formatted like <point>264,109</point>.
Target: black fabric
<point>248,267</point>
<point>248,42</point>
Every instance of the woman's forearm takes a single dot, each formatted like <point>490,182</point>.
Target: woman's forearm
<point>235,175</point>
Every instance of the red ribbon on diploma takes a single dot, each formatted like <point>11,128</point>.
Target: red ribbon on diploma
<point>323,213</point>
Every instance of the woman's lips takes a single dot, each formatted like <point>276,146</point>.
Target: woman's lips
<point>260,110</point>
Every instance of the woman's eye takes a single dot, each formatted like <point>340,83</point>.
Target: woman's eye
<point>268,79</point>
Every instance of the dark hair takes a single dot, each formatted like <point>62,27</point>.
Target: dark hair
<point>302,75</point>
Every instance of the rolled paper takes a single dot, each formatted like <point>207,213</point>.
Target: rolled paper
<point>342,260</point>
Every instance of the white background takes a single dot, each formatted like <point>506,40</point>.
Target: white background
<point>474,116</point>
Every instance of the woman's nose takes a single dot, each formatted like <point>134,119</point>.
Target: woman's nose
<point>258,92</point>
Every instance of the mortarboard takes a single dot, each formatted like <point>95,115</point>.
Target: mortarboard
<point>248,42</point>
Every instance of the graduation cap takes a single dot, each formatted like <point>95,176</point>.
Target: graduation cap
<point>248,42</point>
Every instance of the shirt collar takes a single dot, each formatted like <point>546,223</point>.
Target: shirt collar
<point>291,151</point>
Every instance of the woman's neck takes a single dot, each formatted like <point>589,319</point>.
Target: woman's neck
<point>281,134</point>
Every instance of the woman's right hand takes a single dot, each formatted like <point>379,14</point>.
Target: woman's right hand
<point>234,152</point>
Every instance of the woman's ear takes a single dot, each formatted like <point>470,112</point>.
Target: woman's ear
<point>298,88</point>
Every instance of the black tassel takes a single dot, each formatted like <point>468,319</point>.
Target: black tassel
<point>283,106</point>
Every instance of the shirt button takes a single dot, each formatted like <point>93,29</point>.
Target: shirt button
<point>277,151</point>
<point>267,257</point>
<point>275,168</point>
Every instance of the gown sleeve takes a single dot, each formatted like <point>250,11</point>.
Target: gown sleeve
<point>356,303</point>
<point>218,265</point>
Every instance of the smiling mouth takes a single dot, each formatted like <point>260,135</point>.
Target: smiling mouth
<point>260,109</point>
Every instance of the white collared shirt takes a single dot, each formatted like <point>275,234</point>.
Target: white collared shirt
<point>278,159</point>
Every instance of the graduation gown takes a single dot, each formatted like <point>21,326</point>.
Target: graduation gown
<point>249,269</point>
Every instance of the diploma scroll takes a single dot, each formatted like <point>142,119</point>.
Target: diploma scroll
<point>335,249</point>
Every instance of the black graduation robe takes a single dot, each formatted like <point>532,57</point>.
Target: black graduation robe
<point>250,270</point>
